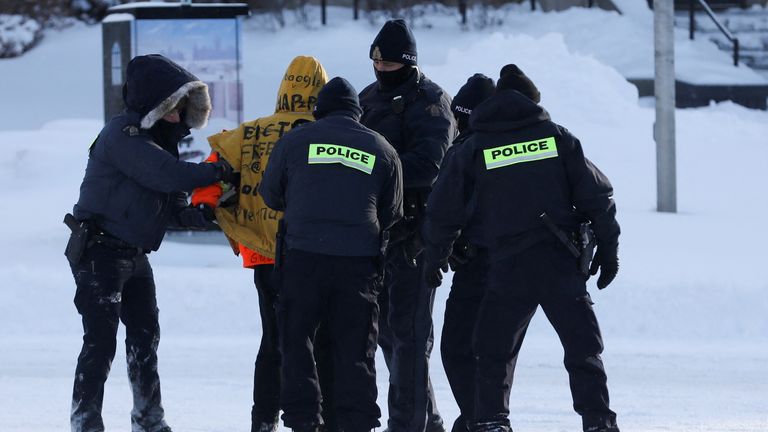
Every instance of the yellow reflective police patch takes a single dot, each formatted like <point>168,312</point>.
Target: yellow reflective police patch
<point>511,154</point>
<point>347,156</point>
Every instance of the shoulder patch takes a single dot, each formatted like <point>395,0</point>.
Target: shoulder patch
<point>434,110</point>
<point>131,130</point>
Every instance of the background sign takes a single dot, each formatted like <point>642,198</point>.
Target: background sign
<point>209,49</point>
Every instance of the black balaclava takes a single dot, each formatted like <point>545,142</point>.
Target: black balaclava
<point>337,95</point>
<point>477,89</point>
<point>393,79</point>
<point>512,78</point>
<point>170,134</point>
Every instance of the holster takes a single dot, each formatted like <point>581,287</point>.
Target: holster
<point>78,240</point>
<point>581,244</point>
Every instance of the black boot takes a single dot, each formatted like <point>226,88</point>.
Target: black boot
<point>434,424</point>
<point>600,424</point>
<point>460,425</point>
<point>492,426</point>
<point>310,427</point>
<point>264,427</point>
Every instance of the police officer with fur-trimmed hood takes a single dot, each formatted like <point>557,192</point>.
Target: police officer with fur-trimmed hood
<point>414,114</point>
<point>131,191</point>
<point>339,185</point>
<point>527,181</point>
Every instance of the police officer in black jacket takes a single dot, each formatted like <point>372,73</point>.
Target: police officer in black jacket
<point>516,166</point>
<point>469,260</point>
<point>130,193</point>
<point>414,114</point>
<point>340,186</point>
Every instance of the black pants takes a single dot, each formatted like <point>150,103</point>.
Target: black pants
<point>469,285</point>
<point>341,291</point>
<point>266,376</point>
<point>112,286</point>
<point>547,275</point>
<point>406,338</point>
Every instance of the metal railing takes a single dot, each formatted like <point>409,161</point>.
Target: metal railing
<point>692,26</point>
<point>462,9</point>
<point>590,4</point>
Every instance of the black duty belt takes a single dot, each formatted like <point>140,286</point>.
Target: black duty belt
<point>104,238</point>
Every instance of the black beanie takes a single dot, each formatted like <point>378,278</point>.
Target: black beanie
<point>337,95</point>
<point>394,43</point>
<point>477,89</point>
<point>512,78</point>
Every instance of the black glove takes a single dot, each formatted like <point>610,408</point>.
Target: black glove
<point>192,217</point>
<point>226,173</point>
<point>433,273</point>
<point>607,260</point>
<point>463,252</point>
<point>208,213</point>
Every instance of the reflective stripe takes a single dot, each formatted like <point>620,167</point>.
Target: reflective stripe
<point>347,156</point>
<point>528,151</point>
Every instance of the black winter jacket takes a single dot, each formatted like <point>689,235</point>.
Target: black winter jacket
<point>471,232</point>
<point>133,180</point>
<point>516,165</point>
<point>421,131</point>
<point>334,205</point>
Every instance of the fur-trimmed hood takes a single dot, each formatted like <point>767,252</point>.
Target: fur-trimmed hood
<point>155,84</point>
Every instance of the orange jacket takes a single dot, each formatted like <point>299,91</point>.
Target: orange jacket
<point>208,195</point>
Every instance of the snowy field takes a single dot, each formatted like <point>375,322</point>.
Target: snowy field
<point>685,323</point>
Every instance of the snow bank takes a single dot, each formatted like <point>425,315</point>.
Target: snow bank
<point>17,35</point>
<point>626,43</point>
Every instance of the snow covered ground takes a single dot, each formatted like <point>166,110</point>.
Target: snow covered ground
<point>685,323</point>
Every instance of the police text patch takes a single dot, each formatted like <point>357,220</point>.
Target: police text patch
<point>347,156</point>
<point>511,154</point>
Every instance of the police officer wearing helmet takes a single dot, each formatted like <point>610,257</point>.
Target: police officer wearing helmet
<point>414,114</point>
<point>468,260</point>
<point>516,166</point>
<point>339,185</point>
<point>131,191</point>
